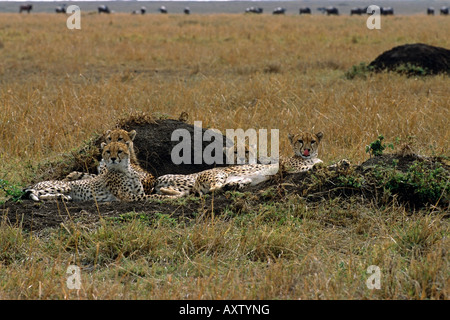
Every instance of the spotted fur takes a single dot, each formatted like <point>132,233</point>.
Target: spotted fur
<point>120,135</point>
<point>306,149</point>
<point>184,184</point>
<point>305,146</point>
<point>235,176</point>
<point>118,182</point>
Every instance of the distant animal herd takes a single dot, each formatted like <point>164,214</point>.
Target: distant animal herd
<point>279,10</point>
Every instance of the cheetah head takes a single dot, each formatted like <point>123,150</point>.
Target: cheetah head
<point>116,155</point>
<point>119,135</point>
<point>234,155</point>
<point>305,144</point>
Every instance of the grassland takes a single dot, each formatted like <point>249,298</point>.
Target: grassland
<point>60,86</point>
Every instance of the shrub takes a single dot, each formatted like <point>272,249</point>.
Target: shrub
<point>377,147</point>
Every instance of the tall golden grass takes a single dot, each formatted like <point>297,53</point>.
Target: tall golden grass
<point>59,86</point>
<point>288,250</point>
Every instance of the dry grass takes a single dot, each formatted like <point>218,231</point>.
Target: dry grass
<point>59,87</point>
<point>276,251</point>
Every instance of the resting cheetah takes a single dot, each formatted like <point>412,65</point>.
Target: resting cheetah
<point>184,184</point>
<point>306,149</point>
<point>240,175</point>
<point>118,182</point>
<point>181,183</point>
<point>305,146</point>
<point>120,135</point>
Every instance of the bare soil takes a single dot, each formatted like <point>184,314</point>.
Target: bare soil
<point>154,145</point>
<point>317,185</point>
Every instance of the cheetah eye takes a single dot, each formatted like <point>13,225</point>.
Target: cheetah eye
<point>300,141</point>
<point>313,141</point>
<point>120,139</point>
<point>119,152</point>
<point>108,152</point>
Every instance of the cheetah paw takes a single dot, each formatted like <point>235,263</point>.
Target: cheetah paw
<point>340,165</point>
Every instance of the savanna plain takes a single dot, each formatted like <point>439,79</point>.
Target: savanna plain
<point>60,87</point>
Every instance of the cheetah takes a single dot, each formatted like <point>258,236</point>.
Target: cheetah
<point>305,146</point>
<point>235,176</point>
<point>119,181</point>
<point>120,135</point>
<point>184,184</point>
<point>306,149</point>
<point>179,183</point>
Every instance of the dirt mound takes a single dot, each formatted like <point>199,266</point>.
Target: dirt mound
<point>411,180</point>
<point>414,59</point>
<point>153,145</point>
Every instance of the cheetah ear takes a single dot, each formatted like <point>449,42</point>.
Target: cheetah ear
<point>132,134</point>
<point>103,145</point>
<point>107,132</point>
<point>319,135</point>
<point>291,137</point>
<point>128,143</point>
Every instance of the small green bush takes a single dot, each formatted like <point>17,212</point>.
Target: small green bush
<point>420,183</point>
<point>377,147</point>
<point>359,71</point>
<point>14,192</point>
<point>411,70</point>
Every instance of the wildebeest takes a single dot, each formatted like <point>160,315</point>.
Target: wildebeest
<point>143,10</point>
<point>25,7</point>
<point>329,10</point>
<point>332,10</point>
<point>430,11</point>
<point>61,9</point>
<point>162,9</point>
<point>254,10</point>
<point>444,10</point>
<point>279,10</point>
<point>386,11</point>
<point>187,10</point>
<point>358,11</point>
<point>305,10</point>
<point>369,12</point>
<point>103,9</point>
